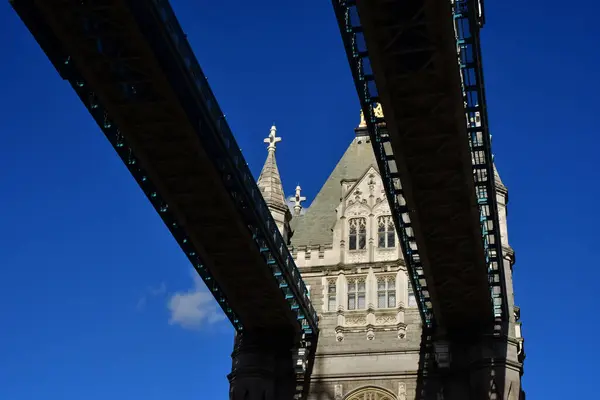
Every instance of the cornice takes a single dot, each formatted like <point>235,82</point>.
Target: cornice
<point>364,267</point>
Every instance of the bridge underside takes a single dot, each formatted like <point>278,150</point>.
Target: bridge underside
<point>413,53</point>
<point>134,84</point>
<point>132,67</point>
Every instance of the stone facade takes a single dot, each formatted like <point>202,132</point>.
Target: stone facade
<point>348,252</point>
<point>370,327</point>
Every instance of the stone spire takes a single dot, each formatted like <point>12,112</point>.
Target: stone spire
<point>269,180</point>
<point>269,183</point>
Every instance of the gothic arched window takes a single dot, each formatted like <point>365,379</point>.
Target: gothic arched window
<point>357,239</point>
<point>386,235</point>
<point>412,300</point>
<point>331,295</point>
<point>371,394</point>
<point>357,294</point>
<point>386,292</point>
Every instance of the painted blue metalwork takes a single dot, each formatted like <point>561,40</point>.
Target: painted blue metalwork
<point>468,20</point>
<point>358,57</point>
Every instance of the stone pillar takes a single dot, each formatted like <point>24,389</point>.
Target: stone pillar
<point>262,367</point>
<point>485,369</point>
<point>495,371</point>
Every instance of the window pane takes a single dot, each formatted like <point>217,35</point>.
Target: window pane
<point>361,286</point>
<point>391,283</point>
<point>381,284</point>
<point>352,244</point>
<point>361,301</point>
<point>331,305</point>
<point>362,241</point>
<point>362,225</point>
<point>353,224</point>
<point>392,300</point>
<point>352,286</point>
<point>351,302</point>
<point>381,300</point>
<point>331,288</point>
<point>391,239</point>
<point>412,301</point>
<point>380,240</point>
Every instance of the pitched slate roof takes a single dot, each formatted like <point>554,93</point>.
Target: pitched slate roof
<point>315,226</point>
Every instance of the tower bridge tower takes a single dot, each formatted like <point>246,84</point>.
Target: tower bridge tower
<point>347,249</point>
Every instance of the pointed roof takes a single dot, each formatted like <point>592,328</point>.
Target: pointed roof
<point>315,226</point>
<point>269,180</point>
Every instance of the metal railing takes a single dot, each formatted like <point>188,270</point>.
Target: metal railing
<point>468,19</point>
<point>233,169</point>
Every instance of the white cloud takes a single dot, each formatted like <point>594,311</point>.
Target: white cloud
<point>194,308</point>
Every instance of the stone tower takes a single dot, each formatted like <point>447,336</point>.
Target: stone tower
<point>347,250</point>
<point>269,183</point>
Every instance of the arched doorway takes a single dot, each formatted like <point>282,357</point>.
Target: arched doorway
<point>371,393</point>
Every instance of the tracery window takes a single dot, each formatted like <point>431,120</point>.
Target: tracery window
<point>386,292</point>
<point>357,239</point>
<point>386,235</point>
<point>412,300</point>
<point>371,394</point>
<point>331,295</point>
<point>357,294</point>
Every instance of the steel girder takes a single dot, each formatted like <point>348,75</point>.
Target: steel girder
<point>403,55</point>
<point>131,66</point>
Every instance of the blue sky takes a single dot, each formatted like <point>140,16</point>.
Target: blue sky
<point>97,301</point>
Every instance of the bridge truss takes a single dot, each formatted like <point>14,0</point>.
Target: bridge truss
<point>134,70</point>
<point>422,61</point>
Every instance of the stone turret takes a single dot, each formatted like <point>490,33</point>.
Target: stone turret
<point>271,187</point>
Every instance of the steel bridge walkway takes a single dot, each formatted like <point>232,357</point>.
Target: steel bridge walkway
<point>132,67</point>
<point>421,61</point>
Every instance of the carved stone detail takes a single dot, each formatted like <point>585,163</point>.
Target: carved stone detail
<point>386,320</point>
<point>337,392</point>
<point>371,394</point>
<point>358,320</point>
<point>359,256</point>
<point>402,391</point>
<point>339,334</point>
<point>370,333</point>
<point>402,331</point>
<point>387,254</point>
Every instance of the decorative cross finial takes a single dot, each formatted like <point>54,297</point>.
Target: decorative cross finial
<point>298,200</point>
<point>272,139</point>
